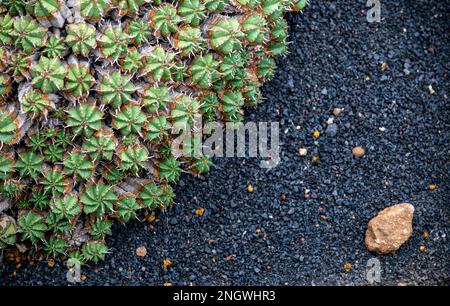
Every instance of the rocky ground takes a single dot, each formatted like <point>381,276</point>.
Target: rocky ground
<point>391,79</point>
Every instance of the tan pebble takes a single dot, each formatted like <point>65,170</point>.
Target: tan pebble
<point>347,266</point>
<point>390,229</point>
<point>337,111</point>
<point>167,263</point>
<point>200,211</point>
<point>141,251</point>
<point>358,151</point>
<point>432,187</point>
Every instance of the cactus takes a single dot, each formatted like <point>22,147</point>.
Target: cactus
<point>93,95</point>
<point>81,38</point>
<point>56,224</point>
<point>255,28</point>
<point>7,165</point>
<point>39,200</point>
<point>129,119</point>
<point>202,164</point>
<point>113,43</point>
<point>155,99</point>
<point>48,74</point>
<point>94,251</point>
<point>31,226</point>
<point>29,164</point>
<point>8,231</point>
<point>152,195</point>
<point>193,12</point>
<point>164,19</point>
<point>101,145</point>
<point>78,80</point>
<point>184,112</point>
<point>157,128</point>
<point>66,207</point>
<point>138,32</point>
<point>55,47</point>
<point>189,40</point>
<point>159,64</point>
<point>116,89</point>
<point>36,103</point>
<point>133,158</point>
<point>132,62</point>
<point>27,34</point>
<point>84,119</point>
<point>226,35</point>
<point>204,71</point>
<point>98,198</point>
<point>127,207</point>
<point>79,165</point>
<point>169,169</point>
<point>93,10</point>
<point>19,66</point>
<point>100,228</point>
<point>6,28</point>
<point>55,246</point>
<point>54,182</point>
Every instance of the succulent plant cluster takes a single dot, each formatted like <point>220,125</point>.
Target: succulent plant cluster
<point>90,91</point>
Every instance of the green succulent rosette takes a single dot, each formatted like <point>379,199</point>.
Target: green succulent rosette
<point>116,89</point>
<point>8,231</point>
<point>164,19</point>
<point>94,251</point>
<point>98,199</point>
<point>48,75</point>
<point>78,165</point>
<point>113,43</point>
<point>81,38</point>
<point>101,145</point>
<point>155,99</point>
<point>31,226</point>
<point>28,35</point>
<point>129,119</point>
<point>84,119</point>
<point>226,35</point>
<point>184,112</point>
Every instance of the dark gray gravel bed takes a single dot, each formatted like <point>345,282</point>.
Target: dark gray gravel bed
<point>404,129</point>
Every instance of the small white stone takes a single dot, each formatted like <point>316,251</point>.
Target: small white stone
<point>303,151</point>
<point>431,90</point>
<point>330,120</point>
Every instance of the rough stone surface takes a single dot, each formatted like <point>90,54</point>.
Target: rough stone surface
<point>390,229</point>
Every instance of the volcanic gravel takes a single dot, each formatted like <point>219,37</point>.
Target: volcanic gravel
<point>257,238</point>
